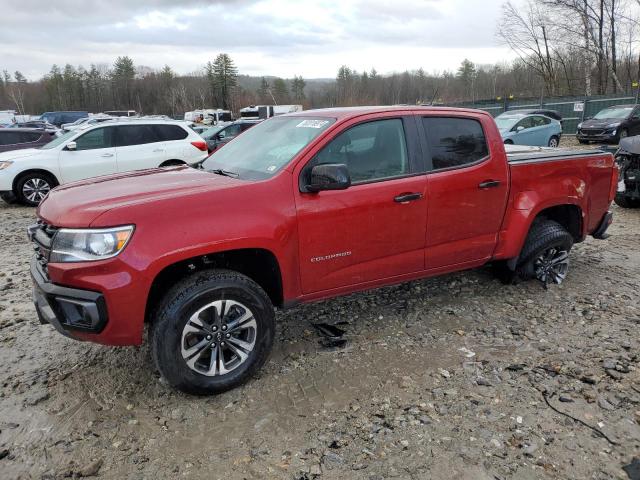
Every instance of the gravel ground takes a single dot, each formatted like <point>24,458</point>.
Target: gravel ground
<point>455,377</point>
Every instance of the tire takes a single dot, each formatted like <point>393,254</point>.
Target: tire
<point>544,255</point>
<point>188,332</point>
<point>554,142</point>
<point>508,142</point>
<point>583,142</point>
<point>622,134</point>
<point>9,198</point>
<point>626,202</point>
<point>33,187</point>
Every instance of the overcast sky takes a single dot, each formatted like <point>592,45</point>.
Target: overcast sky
<point>311,38</point>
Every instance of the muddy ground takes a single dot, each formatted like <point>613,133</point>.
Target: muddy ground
<point>455,377</point>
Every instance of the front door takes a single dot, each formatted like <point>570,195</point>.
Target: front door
<point>93,156</point>
<point>467,192</point>
<point>373,229</point>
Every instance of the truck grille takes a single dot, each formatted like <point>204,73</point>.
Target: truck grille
<point>41,235</point>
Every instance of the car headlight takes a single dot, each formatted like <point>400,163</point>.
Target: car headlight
<point>87,245</point>
<point>4,165</point>
<point>579,126</point>
<point>613,125</point>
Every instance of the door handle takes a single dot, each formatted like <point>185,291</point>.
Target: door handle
<point>107,155</point>
<point>489,184</point>
<point>407,197</point>
<point>158,150</point>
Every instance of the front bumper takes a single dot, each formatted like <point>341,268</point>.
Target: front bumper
<point>599,137</point>
<point>69,310</point>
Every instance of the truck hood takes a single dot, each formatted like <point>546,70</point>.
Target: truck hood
<point>78,204</point>
<point>18,154</point>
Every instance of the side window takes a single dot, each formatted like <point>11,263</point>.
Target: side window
<point>97,138</point>
<point>27,137</point>
<point>11,138</point>
<point>371,150</point>
<point>135,135</point>
<point>525,123</point>
<point>230,132</point>
<point>170,132</point>
<point>539,121</point>
<point>454,142</point>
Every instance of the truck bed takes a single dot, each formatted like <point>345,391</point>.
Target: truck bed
<point>523,153</point>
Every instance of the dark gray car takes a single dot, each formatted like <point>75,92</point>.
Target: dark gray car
<point>19,138</point>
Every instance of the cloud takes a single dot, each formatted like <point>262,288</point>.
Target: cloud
<point>265,37</point>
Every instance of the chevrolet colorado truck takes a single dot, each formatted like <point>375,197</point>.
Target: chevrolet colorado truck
<point>300,208</point>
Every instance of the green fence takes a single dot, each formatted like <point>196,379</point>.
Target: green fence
<point>573,109</point>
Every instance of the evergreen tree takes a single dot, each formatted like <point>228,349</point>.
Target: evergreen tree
<point>123,75</point>
<point>222,76</point>
<point>297,89</point>
<point>280,91</point>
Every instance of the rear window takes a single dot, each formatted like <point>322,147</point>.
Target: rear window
<point>454,142</point>
<point>170,132</point>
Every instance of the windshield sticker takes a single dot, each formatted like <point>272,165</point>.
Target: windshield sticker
<point>312,123</point>
<point>272,168</point>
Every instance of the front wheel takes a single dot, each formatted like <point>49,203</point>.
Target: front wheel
<point>623,134</point>
<point>554,142</point>
<point>213,331</point>
<point>545,255</point>
<point>33,187</point>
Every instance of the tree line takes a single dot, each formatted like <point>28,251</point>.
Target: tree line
<point>563,47</point>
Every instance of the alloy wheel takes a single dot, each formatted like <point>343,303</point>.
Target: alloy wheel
<point>35,189</point>
<point>218,338</point>
<point>552,265</point>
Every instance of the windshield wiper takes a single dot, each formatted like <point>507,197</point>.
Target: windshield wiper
<point>226,173</point>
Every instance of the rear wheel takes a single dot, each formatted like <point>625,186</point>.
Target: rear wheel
<point>626,202</point>
<point>213,331</point>
<point>545,255</point>
<point>554,142</point>
<point>8,197</point>
<point>33,187</point>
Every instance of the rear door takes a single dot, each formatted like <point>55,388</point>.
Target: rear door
<point>366,232</point>
<point>467,187</point>
<point>138,146</point>
<point>94,155</point>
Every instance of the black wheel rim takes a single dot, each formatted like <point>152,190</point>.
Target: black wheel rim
<point>552,265</point>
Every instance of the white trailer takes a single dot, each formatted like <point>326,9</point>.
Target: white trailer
<point>210,116</point>
<point>268,111</point>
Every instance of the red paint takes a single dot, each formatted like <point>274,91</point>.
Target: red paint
<point>327,243</point>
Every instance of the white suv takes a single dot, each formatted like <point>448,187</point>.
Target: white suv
<point>93,150</point>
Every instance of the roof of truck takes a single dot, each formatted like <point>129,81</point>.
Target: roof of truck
<point>349,112</point>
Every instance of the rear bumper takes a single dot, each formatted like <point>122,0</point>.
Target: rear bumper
<point>69,310</point>
<point>601,232</point>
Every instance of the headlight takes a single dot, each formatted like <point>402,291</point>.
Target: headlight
<point>579,126</point>
<point>4,165</point>
<point>86,245</point>
<point>613,125</point>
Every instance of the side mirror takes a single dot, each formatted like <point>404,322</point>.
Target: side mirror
<point>329,176</point>
<point>71,146</point>
<point>519,128</point>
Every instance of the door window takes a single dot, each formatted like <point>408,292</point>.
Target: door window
<point>135,135</point>
<point>371,151</point>
<point>540,121</point>
<point>525,123</point>
<point>94,139</point>
<point>454,142</point>
<point>28,137</point>
<point>9,138</point>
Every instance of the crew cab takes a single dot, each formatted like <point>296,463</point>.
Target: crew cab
<point>96,149</point>
<point>299,208</point>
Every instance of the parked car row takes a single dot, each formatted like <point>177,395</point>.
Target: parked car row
<point>28,174</point>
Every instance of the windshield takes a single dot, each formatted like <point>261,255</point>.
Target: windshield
<point>59,140</point>
<point>507,121</point>
<point>264,149</point>
<point>208,133</point>
<point>613,113</point>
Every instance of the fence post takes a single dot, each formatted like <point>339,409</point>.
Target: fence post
<point>584,108</point>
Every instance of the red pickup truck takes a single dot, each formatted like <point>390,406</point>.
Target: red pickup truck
<point>303,207</point>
